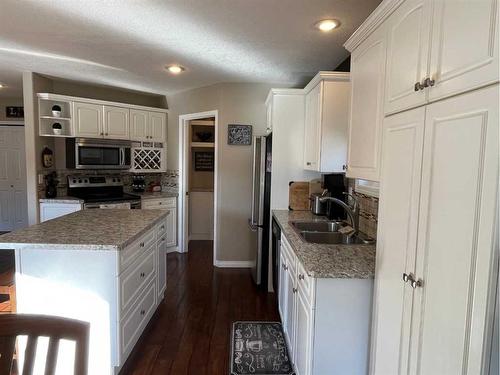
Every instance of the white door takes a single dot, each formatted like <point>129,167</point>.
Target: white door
<point>397,240</point>
<point>456,234</point>
<point>303,336</point>
<point>172,228</point>
<point>365,126</point>
<point>116,122</point>
<point>157,126</point>
<point>138,125</point>
<point>13,202</point>
<point>464,51</point>
<point>312,128</point>
<point>407,55</point>
<point>290,310</point>
<point>88,120</point>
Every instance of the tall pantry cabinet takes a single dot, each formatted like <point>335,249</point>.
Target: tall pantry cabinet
<point>438,123</point>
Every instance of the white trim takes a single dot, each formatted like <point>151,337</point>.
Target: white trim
<point>326,76</point>
<point>234,263</point>
<point>373,21</point>
<point>183,148</point>
<point>273,92</point>
<point>173,249</point>
<point>49,96</point>
<point>13,122</point>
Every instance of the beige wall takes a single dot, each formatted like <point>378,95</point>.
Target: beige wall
<point>237,103</point>
<point>7,102</point>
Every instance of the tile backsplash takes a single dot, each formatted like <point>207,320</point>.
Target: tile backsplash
<point>169,180</point>
<point>368,214</point>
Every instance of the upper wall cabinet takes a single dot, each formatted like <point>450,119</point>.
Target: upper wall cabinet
<point>147,126</point>
<point>88,120</point>
<point>326,122</point>
<point>116,122</point>
<point>366,110</point>
<point>157,126</point>
<point>439,48</point>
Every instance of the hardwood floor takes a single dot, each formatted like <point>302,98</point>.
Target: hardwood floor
<point>191,331</point>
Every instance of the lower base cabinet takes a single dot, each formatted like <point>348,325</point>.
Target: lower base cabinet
<point>165,204</point>
<point>326,321</point>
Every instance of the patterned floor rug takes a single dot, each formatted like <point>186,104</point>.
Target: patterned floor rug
<point>259,348</point>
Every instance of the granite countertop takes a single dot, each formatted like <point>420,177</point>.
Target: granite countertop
<point>156,194</point>
<point>323,260</point>
<point>111,229</point>
<point>63,199</point>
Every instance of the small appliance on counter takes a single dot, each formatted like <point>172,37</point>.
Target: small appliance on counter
<point>51,185</point>
<point>138,183</point>
<point>336,186</point>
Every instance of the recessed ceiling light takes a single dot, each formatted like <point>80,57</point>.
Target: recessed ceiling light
<point>328,25</point>
<point>175,69</point>
<point>2,85</point>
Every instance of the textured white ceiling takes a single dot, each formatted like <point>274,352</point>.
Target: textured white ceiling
<point>127,43</point>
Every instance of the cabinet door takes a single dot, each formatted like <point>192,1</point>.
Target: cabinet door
<point>312,128</point>
<point>138,125</point>
<point>172,227</point>
<point>456,235</point>
<point>397,240</point>
<point>407,55</point>
<point>365,125</point>
<point>290,311</point>
<point>464,51</point>
<point>303,350</point>
<point>116,122</point>
<point>282,293</point>
<point>157,126</point>
<point>88,120</point>
<point>161,263</point>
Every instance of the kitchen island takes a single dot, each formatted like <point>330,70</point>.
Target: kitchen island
<point>106,267</point>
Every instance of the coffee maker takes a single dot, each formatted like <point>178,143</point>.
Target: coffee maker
<point>336,184</point>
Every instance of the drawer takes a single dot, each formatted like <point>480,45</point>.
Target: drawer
<point>133,323</point>
<point>159,203</point>
<point>161,229</point>
<point>136,248</point>
<point>133,280</point>
<point>305,283</point>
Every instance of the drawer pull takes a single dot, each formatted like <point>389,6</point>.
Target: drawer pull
<point>142,244</point>
<point>162,227</point>
<point>294,290</point>
<point>160,203</point>
<point>163,239</point>
<point>301,277</point>
<point>285,267</point>
<point>143,312</point>
<point>143,274</point>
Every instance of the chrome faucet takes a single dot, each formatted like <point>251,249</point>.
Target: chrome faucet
<point>353,212</point>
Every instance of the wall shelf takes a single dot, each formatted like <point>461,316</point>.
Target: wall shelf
<point>56,118</point>
<point>203,144</point>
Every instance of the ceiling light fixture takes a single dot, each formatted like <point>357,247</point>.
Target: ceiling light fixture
<point>175,69</point>
<point>2,85</point>
<point>327,25</point>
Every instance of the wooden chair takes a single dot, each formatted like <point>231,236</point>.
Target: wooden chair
<point>34,326</point>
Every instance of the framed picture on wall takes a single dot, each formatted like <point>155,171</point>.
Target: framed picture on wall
<point>204,161</point>
<point>239,135</point>
<point>14,112</point>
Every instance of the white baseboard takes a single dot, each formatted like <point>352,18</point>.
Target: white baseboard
<point>234,264</point>
<point>173,249</point>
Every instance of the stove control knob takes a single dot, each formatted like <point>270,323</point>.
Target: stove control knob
<point>74,181</point>
<point>118,180</point>
<point>114,179</point>
<point>79,181</point>
<point>86,181</point>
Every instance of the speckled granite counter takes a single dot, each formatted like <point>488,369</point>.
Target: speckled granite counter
<point>64,199</point>
<point>156,195</point>
<point>86,230</point>
<point>323,260</point>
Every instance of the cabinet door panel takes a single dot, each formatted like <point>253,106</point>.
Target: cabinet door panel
<point>312,128</point>
<point>290,312</point>
<point>365,125</point>
<point>138,125</point>
<point>157,126</point>
<point>172,227</point>
<point>456,234</point>
<point>464,46</point>
<point>116,122</point>
<point>88,120</point>
<point>282,289</point>
<point>397,241</point>
<point>303,340</point>
<point>407,55</point>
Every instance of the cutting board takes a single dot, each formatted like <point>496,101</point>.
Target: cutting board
<point>298,195</point>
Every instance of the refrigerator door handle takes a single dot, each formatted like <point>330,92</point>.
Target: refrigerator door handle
<point>253,218</point>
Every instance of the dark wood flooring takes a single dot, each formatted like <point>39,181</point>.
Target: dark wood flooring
<point>190,333</point>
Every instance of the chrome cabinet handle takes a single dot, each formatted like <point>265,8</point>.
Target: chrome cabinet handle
<point>285,267</point>
<point>294,290</point>
<point>143,312</point>
<point>416,283</point>
<point>102,133</point>
<point>162,227</point>
<point>308,163</point>
<point>406,277</point>
<point>301,277</point>
<point>143,274</point>
<point>428,82</point>
<point>142,244</point>
<point>344,167</point>
<point>418,86</point>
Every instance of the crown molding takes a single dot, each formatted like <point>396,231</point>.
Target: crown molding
<point>373,21</point>
<point>327,76</point>
<point>273,92</point>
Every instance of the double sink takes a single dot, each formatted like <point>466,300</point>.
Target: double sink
<point>328,232</point>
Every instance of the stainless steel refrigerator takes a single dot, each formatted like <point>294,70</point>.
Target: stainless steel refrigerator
<point>261,206</point>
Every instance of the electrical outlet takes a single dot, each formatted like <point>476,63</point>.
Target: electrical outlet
<point>41,177</point>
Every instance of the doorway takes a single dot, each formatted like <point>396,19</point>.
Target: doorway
<point>13,202</point>
<point>198,141</point>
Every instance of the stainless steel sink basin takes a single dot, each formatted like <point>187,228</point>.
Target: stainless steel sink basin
<point>327,232</point>
<point>318,226</point>
<point>334,238</point>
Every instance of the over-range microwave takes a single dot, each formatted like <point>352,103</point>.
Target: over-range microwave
<point>86,153</point>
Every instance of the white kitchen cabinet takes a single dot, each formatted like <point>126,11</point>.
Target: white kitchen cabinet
<point>326,122</point>
<point>116,122</point>
<point>438,209</point>
<point>161,264</point>
<point>157,126</point>
<point>148,126</point>
<point>367,107</point>
<point>326,321</point>
<point>49,211</point>
<point>138,125</point>
<point>171,225</point>
<point>88,120</point>
<point>408,31</point>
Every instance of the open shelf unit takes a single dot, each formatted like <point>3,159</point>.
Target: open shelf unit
<point>47,118</point>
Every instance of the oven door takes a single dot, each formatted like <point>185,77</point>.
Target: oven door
<point>96,154</point>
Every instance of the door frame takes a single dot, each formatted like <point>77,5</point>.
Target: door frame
<point>183,177</point>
